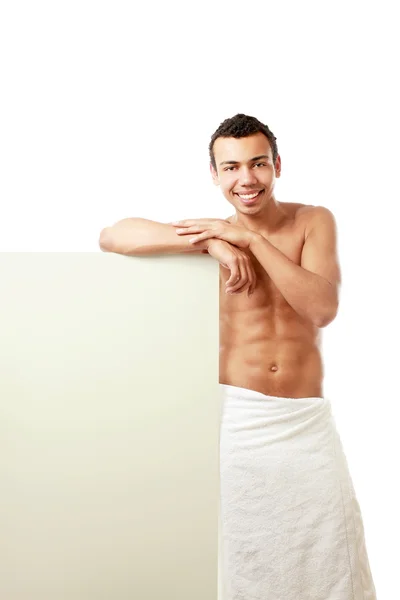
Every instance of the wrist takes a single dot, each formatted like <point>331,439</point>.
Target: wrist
<point>254,239</point>
<point>207,244</point>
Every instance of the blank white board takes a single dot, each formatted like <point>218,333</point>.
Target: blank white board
<point>109,427</point>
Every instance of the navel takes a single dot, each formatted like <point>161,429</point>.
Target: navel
<point>273,367</point>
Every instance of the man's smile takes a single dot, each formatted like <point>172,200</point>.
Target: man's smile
<point>249,198</point>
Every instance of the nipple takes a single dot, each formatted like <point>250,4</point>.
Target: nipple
<point>274,368</point>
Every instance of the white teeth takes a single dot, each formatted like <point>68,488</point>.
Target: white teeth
<point>248,196</point>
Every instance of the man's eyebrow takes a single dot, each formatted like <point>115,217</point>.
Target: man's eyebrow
<point>235,162</point>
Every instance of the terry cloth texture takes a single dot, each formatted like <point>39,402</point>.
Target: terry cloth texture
<point>290,522</point>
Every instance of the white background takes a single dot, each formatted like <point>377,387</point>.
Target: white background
<point>107,111</point>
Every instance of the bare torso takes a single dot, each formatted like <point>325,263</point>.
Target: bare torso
<point>264,344</point>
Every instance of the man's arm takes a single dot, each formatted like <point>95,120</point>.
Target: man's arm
<point>142,237</point>
<point>312,289</point>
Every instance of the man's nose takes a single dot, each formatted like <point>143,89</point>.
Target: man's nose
<point>247,177</point>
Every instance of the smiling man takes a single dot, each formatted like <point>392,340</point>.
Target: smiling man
<point>270,342</point>
<point>291,524</point>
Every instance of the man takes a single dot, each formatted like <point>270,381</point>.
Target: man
<point>291,523</point>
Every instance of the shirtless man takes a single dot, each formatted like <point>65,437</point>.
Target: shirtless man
<point>285,253</point>
<point>291,523</point>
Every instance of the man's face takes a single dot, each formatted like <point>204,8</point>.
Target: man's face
<point>245,167</point>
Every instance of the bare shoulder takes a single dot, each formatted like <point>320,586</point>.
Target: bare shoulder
<point>309,216</point>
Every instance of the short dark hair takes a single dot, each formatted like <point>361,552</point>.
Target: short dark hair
<point>241,126</point>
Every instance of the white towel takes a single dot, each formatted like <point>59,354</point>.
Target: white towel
<point>291,524</point>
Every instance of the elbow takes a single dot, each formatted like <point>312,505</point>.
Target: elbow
<point>323,322</point>
<point>112,241</point>
<point>327,316</point>
<point>328,312</point>
<point>106,242</point>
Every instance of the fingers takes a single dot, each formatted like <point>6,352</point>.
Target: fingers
<point>252,277</point>
<point>201,230</point>
<point>240,282</point>
<point>194,222</point>
<point>197,226</point>
<point>206,235</point>
<point>185,223</point>
<point>235,275</point>
<point>186,230</point>
<point>242,277</point>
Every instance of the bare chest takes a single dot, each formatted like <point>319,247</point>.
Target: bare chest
<point>289,240</point>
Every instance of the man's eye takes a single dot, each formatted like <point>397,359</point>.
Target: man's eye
<point>256,165</point>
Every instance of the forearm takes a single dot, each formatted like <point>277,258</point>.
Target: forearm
<point>310,295</point>
<point>142,237</point>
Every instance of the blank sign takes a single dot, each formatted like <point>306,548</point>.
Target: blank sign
<point>109,427</point>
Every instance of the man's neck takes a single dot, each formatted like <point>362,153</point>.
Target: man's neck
<point>265,222</point>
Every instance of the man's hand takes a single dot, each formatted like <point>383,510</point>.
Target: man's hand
<point>242,274</point>
<point>215,228</point>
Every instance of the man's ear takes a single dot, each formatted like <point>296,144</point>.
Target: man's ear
<point>214,175</point>
<point>278,166</point>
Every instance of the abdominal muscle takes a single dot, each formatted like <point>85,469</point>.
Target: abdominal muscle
<point>269,349</point>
